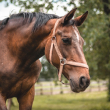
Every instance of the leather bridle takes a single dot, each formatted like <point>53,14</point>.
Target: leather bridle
<point>63,61</point>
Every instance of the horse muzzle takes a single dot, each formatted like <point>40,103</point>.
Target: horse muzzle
<point>79,86</point>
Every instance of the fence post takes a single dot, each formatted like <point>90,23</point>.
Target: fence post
<point>35,88</point>
<point>51,89</point>
<point>98,81</point>
<point>61,89</point>
<point>9,104</point>
<point>90,88</point>
<point>41,90</point>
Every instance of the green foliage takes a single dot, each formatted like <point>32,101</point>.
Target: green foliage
<point>95,30</point>
<point>48,71</point>
<point>34,5</point>
<point>96,35</point>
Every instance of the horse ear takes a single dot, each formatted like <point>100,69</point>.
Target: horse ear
<point>68,16</point>
<point>80,19</point>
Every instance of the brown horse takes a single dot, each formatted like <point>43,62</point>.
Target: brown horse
<point>24,38</point>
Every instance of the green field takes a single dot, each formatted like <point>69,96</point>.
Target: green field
<point>80,101</point>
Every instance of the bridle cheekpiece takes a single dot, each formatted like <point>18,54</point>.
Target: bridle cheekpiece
<point>63,61</point>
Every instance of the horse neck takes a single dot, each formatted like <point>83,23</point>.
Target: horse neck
<point>42,35</point>
<point>34,47</point>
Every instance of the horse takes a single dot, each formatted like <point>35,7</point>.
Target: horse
<point>24,38</point>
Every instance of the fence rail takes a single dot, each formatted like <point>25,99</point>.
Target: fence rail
<point>49,88</point>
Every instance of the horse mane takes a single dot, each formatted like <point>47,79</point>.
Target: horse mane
<point>41,19</point>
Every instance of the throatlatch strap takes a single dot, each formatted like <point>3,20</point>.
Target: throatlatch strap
<point>60,72</point>
<point>53,38</point>
<point>50,55</point>
<point>57,49</point>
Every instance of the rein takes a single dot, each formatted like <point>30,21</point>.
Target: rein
<point>63,61</point>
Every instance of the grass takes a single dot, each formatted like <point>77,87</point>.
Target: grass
<point>81,101</point>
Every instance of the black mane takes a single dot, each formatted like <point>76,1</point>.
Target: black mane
<point>41,19</point>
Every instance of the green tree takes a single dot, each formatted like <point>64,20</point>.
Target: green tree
<point>48,71</point>
<point>35,5</point>
<point>96,33</point>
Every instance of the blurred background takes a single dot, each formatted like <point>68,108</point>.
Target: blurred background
<point>50,94</point>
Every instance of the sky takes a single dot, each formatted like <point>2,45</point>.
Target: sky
<point>6,11</point>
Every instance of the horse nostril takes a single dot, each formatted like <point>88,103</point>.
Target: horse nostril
<point>84,82</point>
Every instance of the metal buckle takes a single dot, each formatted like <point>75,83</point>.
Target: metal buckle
<point>65,83</point>
<point>53,38</point>
<point>63,61</point>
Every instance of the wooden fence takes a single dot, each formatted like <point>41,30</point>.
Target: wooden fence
<point>49,88</point>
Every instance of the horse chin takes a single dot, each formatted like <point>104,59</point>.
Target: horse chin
<point>67,77</point>
<point>75,88</point>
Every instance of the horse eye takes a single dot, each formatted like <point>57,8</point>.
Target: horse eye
<point>66,40</point>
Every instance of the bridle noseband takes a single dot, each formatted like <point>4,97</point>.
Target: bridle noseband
<point>63,61</point>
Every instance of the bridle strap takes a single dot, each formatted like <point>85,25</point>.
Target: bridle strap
<point>53,43</point>
<point>63,61</point>
<point>76,64</point>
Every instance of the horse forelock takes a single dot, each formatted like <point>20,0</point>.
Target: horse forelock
<point>41,19</point>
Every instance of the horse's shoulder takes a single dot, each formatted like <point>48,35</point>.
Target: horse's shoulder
<point>35,68</point>
<point>38,64</point>
<point>21,81</point>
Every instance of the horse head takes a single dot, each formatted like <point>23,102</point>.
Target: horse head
<point>64,49</point>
